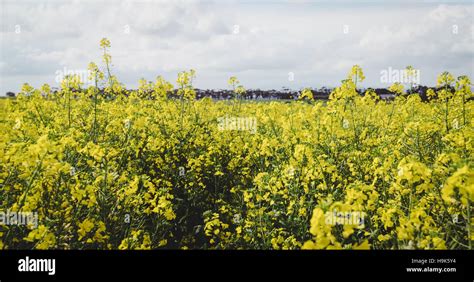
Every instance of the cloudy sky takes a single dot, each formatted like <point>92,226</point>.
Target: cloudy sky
<point>266,44</point>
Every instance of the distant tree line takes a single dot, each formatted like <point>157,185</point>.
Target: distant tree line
<point>287,94</point>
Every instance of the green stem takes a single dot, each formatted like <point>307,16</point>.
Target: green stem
<point>69,108</point>
<point>469,224</point>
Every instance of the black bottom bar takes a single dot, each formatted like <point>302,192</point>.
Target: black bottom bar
<point>241,265</point>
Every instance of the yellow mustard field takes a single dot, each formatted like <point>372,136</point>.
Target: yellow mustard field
<point>104,170</point>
